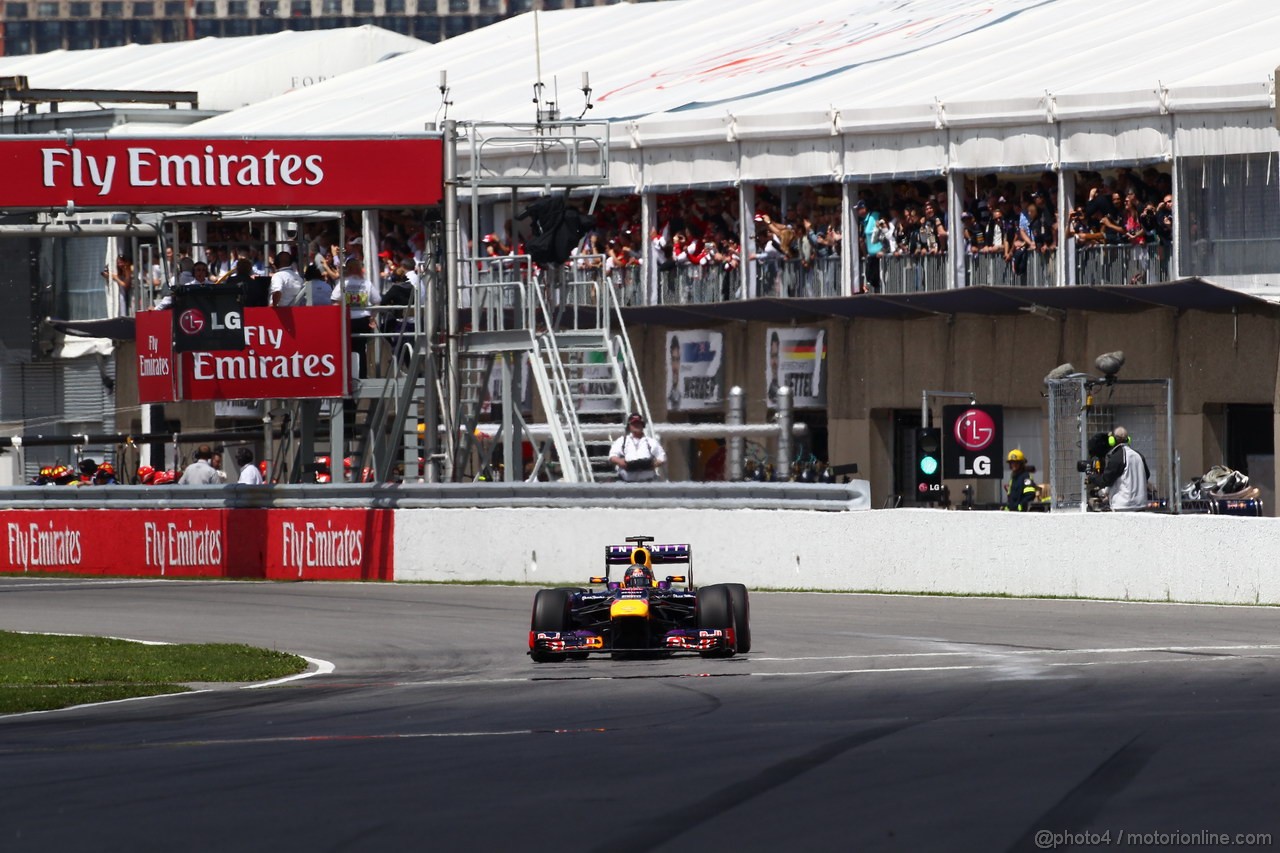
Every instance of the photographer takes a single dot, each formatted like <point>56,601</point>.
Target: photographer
<point>1124,474</point>
<point>637,456</point>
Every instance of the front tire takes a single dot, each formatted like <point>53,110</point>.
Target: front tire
<point>551,613</point>
<point>715,610</point>
<point>741,615</point>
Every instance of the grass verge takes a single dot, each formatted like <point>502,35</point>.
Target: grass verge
<point>40,672</point>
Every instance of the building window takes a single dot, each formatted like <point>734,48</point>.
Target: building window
<point>237,8</point>
<point>46,10</point>
<point>331,7</point>
<point>459,7</point>
<point>175,9</point>
<point>395,7</point>
<point>268,9</point>
<point>15,10</point>
<point>490,5</point>
<point>112,9</point>
<point>206,8</point>
<point>144,10</point>
<point>362,7</point>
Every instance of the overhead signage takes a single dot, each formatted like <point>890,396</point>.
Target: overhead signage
<point>290,353</point>
<point>972,442</point>
<point>695,370</point>
<point>167,174</point>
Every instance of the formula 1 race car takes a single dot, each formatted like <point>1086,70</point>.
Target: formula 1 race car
<point>640,614</point>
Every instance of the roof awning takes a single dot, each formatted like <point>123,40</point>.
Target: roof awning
<point>1187,294</point>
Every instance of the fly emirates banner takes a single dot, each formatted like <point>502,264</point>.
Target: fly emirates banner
<point>290,353</point>
<point>130,174</point>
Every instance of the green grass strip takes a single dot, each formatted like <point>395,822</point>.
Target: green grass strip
<point>42,671</point>
<point>20,698</point>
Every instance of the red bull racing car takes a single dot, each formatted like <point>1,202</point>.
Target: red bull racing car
<point>641,612</point>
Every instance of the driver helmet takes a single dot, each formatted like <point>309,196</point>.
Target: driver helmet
<point>638,576</point>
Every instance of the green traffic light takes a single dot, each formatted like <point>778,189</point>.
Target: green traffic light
<point>929,465</point>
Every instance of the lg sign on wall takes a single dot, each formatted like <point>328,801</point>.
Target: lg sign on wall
<point>972,442</point>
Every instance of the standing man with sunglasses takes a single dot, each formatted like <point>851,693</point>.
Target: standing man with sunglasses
<point>637,456</point>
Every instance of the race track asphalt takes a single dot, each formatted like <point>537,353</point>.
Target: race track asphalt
<point>856,723</point>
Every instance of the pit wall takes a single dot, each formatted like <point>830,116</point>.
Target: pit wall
<point>1215,559</point>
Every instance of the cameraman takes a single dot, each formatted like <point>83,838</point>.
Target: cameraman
<point>637,456</point>
<point>1124,474</point>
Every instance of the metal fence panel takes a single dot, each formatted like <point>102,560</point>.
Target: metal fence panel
<point>1080,407</point>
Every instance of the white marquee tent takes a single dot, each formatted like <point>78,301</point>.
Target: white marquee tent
<point>227,73</point>
<point>713,91</point>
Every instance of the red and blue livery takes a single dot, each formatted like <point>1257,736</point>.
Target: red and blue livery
<point>640,614</point>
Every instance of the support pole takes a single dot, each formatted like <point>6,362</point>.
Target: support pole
<point>451,276</point>
<point>782,461</point>
<point>736,417</point>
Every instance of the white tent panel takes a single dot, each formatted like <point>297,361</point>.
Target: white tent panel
<point>1095,144</point>
<point>881,156</point>
<point>670,167</point>
<point>1204,134</point>
<point>1004,148</point>
<point>226,73</point>
<point>820,160</point>
<point>624,168</point>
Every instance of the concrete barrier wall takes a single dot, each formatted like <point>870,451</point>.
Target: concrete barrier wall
<point>1103,555</point>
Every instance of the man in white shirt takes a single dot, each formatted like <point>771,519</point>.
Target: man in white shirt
<point>286,283</point>
<point>249,473</point>
<point>359,295</point>
<point>637,456</point>
<point>201,472</point>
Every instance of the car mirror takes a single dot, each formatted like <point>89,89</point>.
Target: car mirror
<point>675,578</point>
<point>597,579</point>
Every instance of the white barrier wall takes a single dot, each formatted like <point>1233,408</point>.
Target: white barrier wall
<point>1095,555</point>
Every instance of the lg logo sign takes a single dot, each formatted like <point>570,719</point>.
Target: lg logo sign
<point>192,321</point>
<point>973,440</point>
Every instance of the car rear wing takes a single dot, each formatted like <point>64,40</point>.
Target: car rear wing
<point>620,555</point>
<point>659,555</point>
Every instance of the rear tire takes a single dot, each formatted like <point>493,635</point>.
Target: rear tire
<point>715,610</point>
<point>741,615</point>
<point>551,613</point>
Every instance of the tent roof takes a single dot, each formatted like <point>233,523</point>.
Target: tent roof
<point>228,73</point>
<point>683,68</point>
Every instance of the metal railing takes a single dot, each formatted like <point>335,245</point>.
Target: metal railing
<point>913,273</point>
<point>1123,264</point>
<point>1024,269</point>
<point>796,277</point>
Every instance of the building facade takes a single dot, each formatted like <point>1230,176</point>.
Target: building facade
<point>39,26</point>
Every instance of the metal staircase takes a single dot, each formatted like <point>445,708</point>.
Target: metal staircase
<point>581,361</point>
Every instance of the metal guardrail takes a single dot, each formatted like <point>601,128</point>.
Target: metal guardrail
<point>836,497</point>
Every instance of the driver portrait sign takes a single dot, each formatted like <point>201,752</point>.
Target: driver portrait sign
<point>972,441</point>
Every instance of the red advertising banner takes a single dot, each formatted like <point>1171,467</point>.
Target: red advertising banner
<point>168,174</point>
<point>290,353</point>
<point>275,544</point>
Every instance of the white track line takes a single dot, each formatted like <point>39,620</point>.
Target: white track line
<point>322,667</point>
<point>987,651</point>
